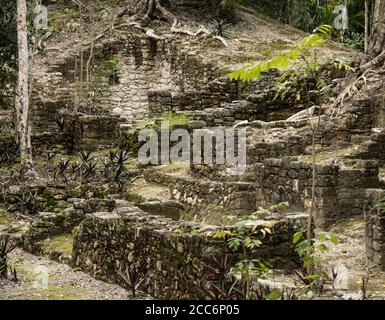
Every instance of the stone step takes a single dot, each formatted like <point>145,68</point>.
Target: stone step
<point>154,199</point>
<point>372,149</point>
<point>234,197</point>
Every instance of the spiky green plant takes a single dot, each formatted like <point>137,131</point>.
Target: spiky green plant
<point>220,28</point>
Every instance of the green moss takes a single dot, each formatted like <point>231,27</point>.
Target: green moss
<point>5,218</point>
<point>64,292</point>
<point>172,119</point>
<point>62,243</point>
<point>53,292</point>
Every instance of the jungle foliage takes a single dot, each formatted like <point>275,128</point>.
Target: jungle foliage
<point>308,14</point>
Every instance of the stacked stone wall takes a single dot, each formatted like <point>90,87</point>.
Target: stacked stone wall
<point>175,256</point>
<point>339,188</point>
<point>375,227</point>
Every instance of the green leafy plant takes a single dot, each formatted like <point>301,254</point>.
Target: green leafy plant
<point>28,202</point>
<point>309,252</point>
<point>286,60</point>
<point>246,237</point>
<point>380,205</point>
<point>111,67</point>
<point>134,277</point>
<point>220,28</point>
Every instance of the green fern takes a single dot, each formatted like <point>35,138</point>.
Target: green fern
<point>284,60</point>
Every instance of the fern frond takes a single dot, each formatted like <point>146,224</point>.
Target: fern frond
<point>284,60</point>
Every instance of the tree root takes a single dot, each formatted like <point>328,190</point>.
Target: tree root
<point>374,62</point>
<point>221,39</point>
<point>353,89</point>
<point>201,29</point>
<point>142,14</point>
<point>145,10</point>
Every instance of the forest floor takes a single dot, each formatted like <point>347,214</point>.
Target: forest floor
<point>42,279</point>
<point>254,38</point>
<point>348,258</point>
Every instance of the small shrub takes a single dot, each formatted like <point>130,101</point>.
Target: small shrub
<point>134,277</point>
<point>220,28</point>
<point>28,202</point>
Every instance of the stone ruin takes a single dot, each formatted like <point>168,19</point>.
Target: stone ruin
<point>149,232</point>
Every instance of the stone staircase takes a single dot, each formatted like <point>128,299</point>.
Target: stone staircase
<point>156,78</point>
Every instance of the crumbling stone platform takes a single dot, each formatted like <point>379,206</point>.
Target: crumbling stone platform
<point>174,255</point>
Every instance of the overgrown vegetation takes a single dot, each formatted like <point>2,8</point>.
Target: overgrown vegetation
<point>289,60</point>
<point>308,14</point>
<point>134,278</point>
<point>309,251</point>
<point>246,238</point>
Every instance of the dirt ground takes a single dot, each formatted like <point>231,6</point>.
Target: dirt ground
<point>348,256</point>
<point>42,279</point>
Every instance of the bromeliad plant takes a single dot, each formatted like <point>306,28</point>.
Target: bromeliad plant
<point>220,28</point>
<point>27,202</point>
<point>88,167</point>
<point>225,287</point>
<point>114,169</point>
<point>134,277</point>
<point>59,171</point>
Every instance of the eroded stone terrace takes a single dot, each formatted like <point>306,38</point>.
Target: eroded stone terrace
<point>164,224</point>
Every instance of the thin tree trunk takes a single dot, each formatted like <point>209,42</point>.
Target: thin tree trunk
<point>310,265</point>
<point>366,26</point>
<point>377,44</point>
<point>22,101</point>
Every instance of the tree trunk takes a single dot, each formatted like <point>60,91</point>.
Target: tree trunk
<point>22,98</point>
<point>146,10</point>
<point>366,36</point>
<point>377,44</point>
